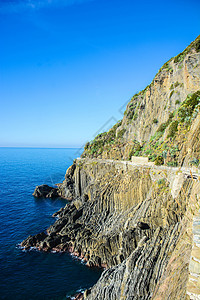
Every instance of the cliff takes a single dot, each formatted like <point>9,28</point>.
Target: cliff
<point>139,221</point>
<point>159,121</point>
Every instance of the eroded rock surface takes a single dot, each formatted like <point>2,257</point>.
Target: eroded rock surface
<point>45,191</point>
<point>126,220</point>
<point>136,220</point>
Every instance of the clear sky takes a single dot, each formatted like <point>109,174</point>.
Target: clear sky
<point>68,67</point>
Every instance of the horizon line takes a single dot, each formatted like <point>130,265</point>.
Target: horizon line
<point>30,147</point>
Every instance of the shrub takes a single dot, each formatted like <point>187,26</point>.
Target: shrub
<point>135,151</point>
<point>176,84</point>
<point>188,106</point>
<point>138,147</point>
<point>194,162</point>
<point>131,110</point>
<point>135,116</point>
<point>197,46</point>
<point>163,126</point>
<point>171,94</point>
<point>148,151</point>
<point>172,163</point>
<point>159,161</point>
<point>152,157</point>
<point>155,121</point>
<point>161,181</point>
<point>131,153</point>
<point>173,129</point>
<point>177,102</point>
<point>179,58</point>
<point>86,146</point>
<point>121,133</point>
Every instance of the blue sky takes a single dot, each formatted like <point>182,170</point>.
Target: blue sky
<point>67,68</point>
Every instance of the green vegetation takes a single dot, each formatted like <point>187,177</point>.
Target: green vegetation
<point>161,181</point>
<point>121,133</point>
<point>136,149</point>
<point>172,163</point>
<point>194,162</point>
<point>159,161</point>
<point>171,94</point>
<point>197,45</point>
<point>130,110</point>
<point>173,129</point>
<point>194,45</point>
<point>188,106</point>
<point>167,67</point>
<point>133,107</point>
<point>96,147</point>
<point>167,151</point>
<point>86,146</point>
<point>176,84</point>
<point>160,148</point>
<point>163,126</point>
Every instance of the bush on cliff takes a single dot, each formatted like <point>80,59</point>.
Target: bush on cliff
<point>188,106</point>
<point>159,161</point>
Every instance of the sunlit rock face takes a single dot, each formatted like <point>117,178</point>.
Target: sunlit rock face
<point>139,218</point>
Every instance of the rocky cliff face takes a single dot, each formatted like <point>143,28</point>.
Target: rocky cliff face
<point>137,220</point>
<point>155,116</point>
<point>132,220</point>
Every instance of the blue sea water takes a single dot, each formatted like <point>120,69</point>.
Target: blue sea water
<point>33,274</point>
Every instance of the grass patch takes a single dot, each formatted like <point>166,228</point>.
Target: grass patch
<point>188,106</point>
<point>173,128</point>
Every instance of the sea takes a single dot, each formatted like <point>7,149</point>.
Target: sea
<point>33,274</point>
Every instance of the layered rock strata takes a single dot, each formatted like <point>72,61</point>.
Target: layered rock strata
<point>139,220</point>
<point>128,219</point>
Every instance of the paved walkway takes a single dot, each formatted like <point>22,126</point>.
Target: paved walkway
<point>193,171</point>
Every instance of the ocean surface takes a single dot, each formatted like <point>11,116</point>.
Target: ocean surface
<point>33,274</point>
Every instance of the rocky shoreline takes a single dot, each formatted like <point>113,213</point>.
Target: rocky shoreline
<point>135,220</point>
<point>53,241</point>
<point>117,220</point>
<point>45,191</point>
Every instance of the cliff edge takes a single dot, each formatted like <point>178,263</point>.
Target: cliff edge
<point>139,221</point>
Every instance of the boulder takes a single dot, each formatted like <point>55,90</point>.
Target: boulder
<point>45,191</point>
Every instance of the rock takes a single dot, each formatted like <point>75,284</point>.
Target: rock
<point>57,214</point>
<point>33,241</point>
<point>143,225</point>
<point>145,259</point>
<point>86,293</point>
<point>79,296</point>
<point>151,110</point>
<point>45,191</point>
